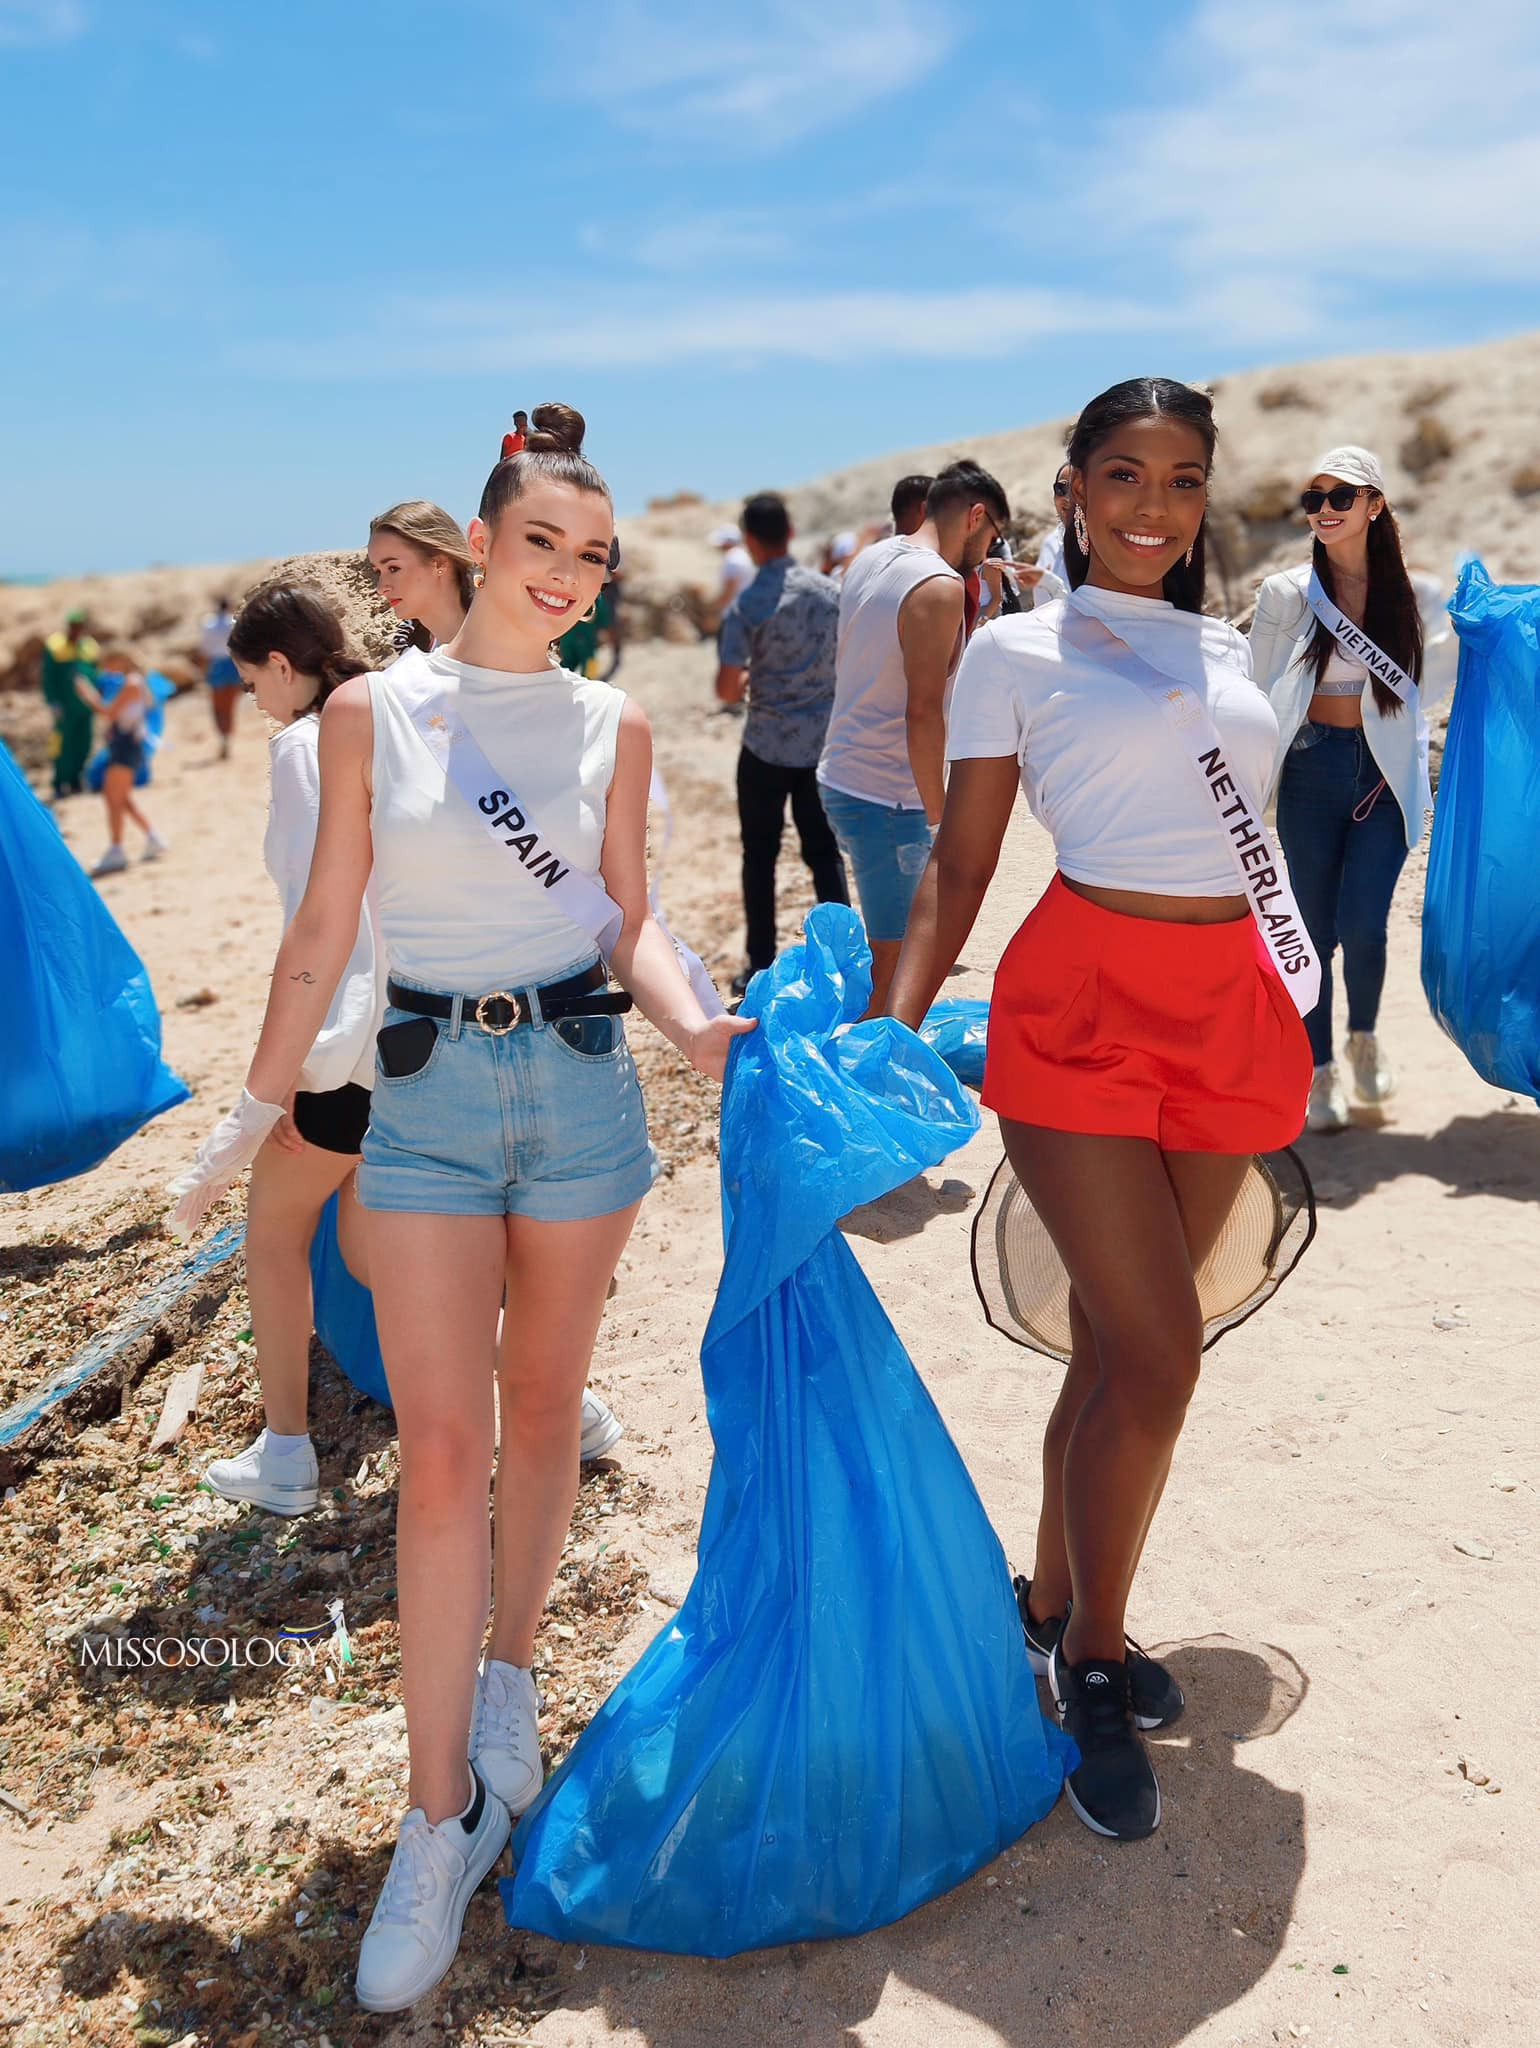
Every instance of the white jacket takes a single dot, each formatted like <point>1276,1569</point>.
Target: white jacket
<point>1281,634</point>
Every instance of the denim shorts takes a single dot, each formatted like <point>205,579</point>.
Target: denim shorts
<point>887,850</point>
<point>545,1121</point>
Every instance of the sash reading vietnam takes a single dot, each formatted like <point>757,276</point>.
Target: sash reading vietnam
<point>1262,874</point>
<point>1355,643</point>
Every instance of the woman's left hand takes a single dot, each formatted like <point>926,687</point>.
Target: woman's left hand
<point>708,1048</point>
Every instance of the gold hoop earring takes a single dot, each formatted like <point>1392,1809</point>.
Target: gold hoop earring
<point>478,577</point>
<point>591,613</point>
<point>1082,532</point>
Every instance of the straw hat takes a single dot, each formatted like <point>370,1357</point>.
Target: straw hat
<point>1025,1290</point>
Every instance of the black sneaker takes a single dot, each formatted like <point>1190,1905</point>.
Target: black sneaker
<point>1154,1695</point>
<point>1113,1787</point>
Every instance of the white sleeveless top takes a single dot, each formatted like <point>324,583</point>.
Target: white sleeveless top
<point>344,1047</point>
<point>866,750</point>
<point>451,913</point>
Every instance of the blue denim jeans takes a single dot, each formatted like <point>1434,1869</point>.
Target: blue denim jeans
<point>1344,839</point>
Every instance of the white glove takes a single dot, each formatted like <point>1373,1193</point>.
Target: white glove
<point>224,1154</point>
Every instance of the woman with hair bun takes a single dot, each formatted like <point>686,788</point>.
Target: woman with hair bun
<point>1142,1044</point>
<point>290,652</point>
<point>507,1147</point>
<point>1351,766</point>
<point>424,569</point>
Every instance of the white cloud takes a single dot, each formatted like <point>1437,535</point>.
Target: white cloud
<point>1336,148</point>
<point>32,24</point>
<point>478,337</point>
<point>701,76</point>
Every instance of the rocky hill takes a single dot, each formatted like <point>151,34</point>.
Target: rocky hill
<point>1458,431</point>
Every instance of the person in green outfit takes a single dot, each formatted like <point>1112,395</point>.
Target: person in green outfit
<point>578,648</point>
<point>68,654</point>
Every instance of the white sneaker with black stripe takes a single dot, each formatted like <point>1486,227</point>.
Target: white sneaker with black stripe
<point>414,1930</point>
<point>505,1733</point>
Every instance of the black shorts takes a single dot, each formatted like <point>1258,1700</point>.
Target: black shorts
<point>335,1121</point>
<point>125,750</point>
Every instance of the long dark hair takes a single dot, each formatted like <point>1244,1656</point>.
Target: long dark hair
<point>1143,398</point>
<point>294,620</point>
<point>1392,617</point>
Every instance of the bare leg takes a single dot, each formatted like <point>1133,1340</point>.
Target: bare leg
<point>437,1284</point>
<point>1206,1185</point>
<point>116,786</point>
<point>558,1277</point>
<point>885,954</point>
<point>1112,1209</point>
<point>288,1192</point>
<point>353,1230</point>
<point>132,810</point>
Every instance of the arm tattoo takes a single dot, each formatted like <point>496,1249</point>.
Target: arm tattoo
<point>307,978</point>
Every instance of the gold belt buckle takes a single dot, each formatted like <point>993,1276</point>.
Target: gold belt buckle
<point>498,995</point>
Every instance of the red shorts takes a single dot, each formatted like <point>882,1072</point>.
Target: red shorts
<point>1135,1027</point>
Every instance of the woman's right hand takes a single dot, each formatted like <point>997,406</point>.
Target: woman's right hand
<point>224,1154</point>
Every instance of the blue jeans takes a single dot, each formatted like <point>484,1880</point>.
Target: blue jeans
<point>1345,845</point>
<point>886,850</point>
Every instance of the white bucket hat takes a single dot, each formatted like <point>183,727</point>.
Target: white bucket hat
<point>1353,465</point>
<point>724,537</point>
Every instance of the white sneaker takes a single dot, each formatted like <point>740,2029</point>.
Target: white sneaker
<point>112,862</point>
<point>505,1734</point>
<point>1374,1078</point>
<point>601,1428</point>
<point>414,1930</point>
<point>1327,1109</point>
<point>284,1486</point>
<point>155,846</point>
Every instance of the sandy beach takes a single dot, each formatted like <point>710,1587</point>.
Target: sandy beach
<point>1342,1574</point>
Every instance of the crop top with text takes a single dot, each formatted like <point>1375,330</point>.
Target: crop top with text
<point>1101,767</point>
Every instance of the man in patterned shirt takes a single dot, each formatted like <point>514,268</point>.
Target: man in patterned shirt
<point>777,648</point>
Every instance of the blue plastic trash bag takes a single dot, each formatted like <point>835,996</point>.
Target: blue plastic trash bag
<point>1481,916</point>
<point>840,1722</point>
<point>79,1029</point>
<point>957,1028</point>
<point>344,1311</point>
<point>162,690</point>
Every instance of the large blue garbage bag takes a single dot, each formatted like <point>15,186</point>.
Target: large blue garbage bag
<point>344,1311</point>
<point>1481,917</point>
<point>840,1722</point>
<point>958,1029</point>
<point>80,1065</point>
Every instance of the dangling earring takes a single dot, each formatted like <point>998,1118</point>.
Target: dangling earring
<point>1187,558</point>
<point>478,577</point>
<point>1082,532</point>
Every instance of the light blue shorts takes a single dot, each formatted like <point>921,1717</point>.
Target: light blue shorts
<point>887,850</point>
<point>545,1121</point>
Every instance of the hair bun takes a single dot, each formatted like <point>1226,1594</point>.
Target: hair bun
<point>557,430</point>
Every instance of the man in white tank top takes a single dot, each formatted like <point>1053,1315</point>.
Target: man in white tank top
<point>901,634</point>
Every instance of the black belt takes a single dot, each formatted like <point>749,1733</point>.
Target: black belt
<point>578,995</point>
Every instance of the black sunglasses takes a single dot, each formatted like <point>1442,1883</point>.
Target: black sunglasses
<point>1340,498</point>
<point>1061,486</point>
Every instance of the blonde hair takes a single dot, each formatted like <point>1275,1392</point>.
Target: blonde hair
<point>429,529</point>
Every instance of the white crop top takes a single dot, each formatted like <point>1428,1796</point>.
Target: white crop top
<point>451,913</point>
<point>1099,765</point>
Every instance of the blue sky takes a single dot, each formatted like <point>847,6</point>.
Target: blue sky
<point>267,269</point>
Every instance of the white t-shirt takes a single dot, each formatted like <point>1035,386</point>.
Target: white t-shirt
<point>1099,765</point>
<point>214,638</point>
<point>738,572</point>
<point>344,1050</point>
